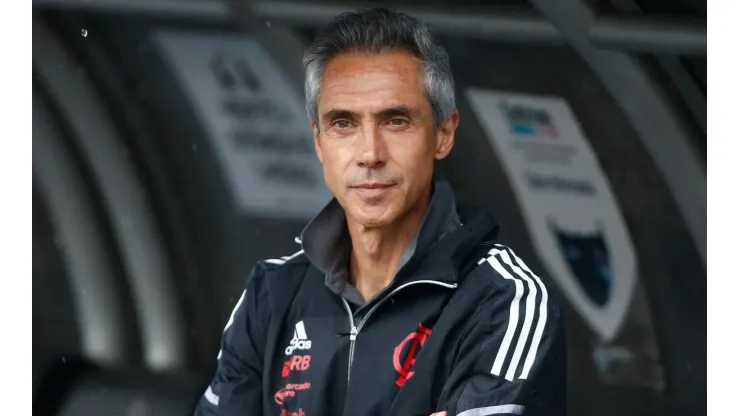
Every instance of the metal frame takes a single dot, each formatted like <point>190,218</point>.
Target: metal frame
<point>692,94</point>
<point>650,35</point>
<point>124,198</point>
<point>521,25</point>
<point>200,9</point>
<point>518,25</point>
<point>142,140</point>
<point>628,34</point>
<point>98,306</point>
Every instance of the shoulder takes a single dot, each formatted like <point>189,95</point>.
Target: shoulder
<point>281,268</point>
<point>519,318</point>
<point>267,278</point>
<point>507,278</point>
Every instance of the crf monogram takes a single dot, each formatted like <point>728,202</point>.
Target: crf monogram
<point>417,339</point>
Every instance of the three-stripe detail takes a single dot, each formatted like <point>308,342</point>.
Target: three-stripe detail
<point>509,266</point>
<point>284,259</point>
<point>505,409</point>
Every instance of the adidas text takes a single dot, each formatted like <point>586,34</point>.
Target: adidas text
<point>297,345</point>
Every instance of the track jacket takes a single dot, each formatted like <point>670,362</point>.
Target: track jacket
<point>465,327</point>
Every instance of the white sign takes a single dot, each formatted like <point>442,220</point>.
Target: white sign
<point>256,122</point>
<point>571,214</point>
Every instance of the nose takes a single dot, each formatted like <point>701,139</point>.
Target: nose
<point>373,153</point>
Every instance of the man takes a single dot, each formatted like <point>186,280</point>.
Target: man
<point>400,303</point>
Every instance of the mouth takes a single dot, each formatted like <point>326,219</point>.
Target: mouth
<point>372,189</point>
<point>373,185</point>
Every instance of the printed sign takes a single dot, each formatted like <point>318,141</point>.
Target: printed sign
<point>256,122</point>
<point>570,211</point>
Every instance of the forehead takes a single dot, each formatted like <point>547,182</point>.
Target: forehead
<point>359,81</point>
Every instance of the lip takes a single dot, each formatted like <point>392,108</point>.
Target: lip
<point>373,186</point>
<point>372,190</point>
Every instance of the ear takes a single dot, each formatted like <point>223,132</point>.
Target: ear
<point>316,142</point>
<point>446,136</point>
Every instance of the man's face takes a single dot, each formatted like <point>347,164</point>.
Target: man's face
<point>375,137</point>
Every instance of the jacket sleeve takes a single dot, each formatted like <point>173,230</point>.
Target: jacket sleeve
<point>236,388</point>
<point>511,359</point>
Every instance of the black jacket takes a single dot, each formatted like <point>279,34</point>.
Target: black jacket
<point>464,327</point>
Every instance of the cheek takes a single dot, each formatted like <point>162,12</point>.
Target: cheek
<point>417,154</point>
<point>335,164</point>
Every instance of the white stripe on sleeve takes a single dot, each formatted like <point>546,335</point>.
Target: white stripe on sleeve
<point>528,316</point>
<point>506,409</point>
<point>513,316</point>
<point>532,354</point>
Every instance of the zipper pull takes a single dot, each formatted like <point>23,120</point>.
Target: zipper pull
<point>353,333</point>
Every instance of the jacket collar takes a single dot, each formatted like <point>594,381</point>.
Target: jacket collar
<point>327,244</point>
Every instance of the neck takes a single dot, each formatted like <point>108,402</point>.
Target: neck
<point>377,252</point>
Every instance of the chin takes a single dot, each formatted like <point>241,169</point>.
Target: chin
<point>373,216</point>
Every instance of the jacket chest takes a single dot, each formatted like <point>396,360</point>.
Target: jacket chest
<point>322,367</point>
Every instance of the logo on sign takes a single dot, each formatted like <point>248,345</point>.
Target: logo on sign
<point>410,345</point>
<point>300,340</point>
<point>529,121</point>
<point>587,256</point>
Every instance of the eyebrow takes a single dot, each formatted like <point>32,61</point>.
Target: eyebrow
<point>401,110</point>
<point>339,113</point>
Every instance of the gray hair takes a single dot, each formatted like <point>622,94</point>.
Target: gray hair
<point>375,31</point>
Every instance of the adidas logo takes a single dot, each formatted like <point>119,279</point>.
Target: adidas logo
<point>300,341</point>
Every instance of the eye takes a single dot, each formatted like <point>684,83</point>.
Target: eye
<point>342,124</point>
<point>398,121</point>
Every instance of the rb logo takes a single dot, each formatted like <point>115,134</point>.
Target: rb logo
<point>296,363</point>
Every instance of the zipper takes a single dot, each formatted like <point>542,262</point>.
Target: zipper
<point>355,329</point>
<point>352,336</point>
